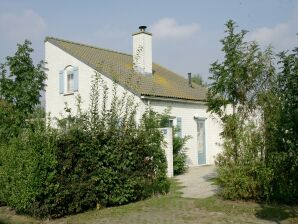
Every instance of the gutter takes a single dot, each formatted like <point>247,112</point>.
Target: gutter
<point>173,100</point>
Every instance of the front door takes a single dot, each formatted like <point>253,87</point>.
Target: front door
<point>201,142</point>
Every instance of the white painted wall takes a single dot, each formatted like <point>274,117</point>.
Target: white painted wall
<point>168,147</point>
<point>57,60</point>
<point>189,127</point>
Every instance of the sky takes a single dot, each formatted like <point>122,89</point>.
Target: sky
<point>186,34</point>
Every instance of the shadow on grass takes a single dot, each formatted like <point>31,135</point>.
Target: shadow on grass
<point>4,221</point>
<point>176,187</point>
<point>276,213</point>
<point>270,212</point>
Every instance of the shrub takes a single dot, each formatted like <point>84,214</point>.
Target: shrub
<point>248,182</point>
<point>248,177</point>
<point>179,156</point>
<point>26,164</point>
<point>97,158</point>
<point>259,158</point>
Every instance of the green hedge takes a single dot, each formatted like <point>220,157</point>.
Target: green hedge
<point>94,159</point>
<point>47,172</point>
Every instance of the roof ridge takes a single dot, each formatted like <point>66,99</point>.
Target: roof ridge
<point>86,45</point>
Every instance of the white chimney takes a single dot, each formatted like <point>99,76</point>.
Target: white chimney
<point>142,51</point>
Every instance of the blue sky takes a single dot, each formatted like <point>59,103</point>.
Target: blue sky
<point>186,33</point>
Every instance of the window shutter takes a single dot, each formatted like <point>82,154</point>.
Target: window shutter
<point>61,82</point>
<point>179,126</point>
<point>75,79</point>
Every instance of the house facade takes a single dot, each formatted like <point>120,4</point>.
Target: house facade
<point>71,67</point>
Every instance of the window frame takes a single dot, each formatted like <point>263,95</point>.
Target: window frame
<point>68,87</point>
<point>69,80</point>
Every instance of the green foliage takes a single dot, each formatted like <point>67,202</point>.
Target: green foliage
<point>7,121</point>
<point>26,163</point>
<point>20,85</point>
<point>179,156</point>
<point>258,109</point>
<point>244,71</point>
<point>96,158</point>
<point>282,130</point>
<point>247,178</point>
<point>197,78</point>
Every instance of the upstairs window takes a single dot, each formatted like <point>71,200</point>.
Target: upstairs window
<point>68,80</point>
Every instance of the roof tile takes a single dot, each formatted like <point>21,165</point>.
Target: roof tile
<point>118,66</point>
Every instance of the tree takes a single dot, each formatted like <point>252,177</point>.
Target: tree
<point>20,85</point>
<point>288,92</point>
<point>237,82</point>
<point>282,131</point>
<point>241,95</point>
<point>197,78</point>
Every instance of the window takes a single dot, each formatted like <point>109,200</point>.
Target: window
<point>179,126</point>
<point>68,80</point>
<point>171,123</point>
<point>176,123</point>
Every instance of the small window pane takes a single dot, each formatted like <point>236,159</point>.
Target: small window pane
<point>70,82</point>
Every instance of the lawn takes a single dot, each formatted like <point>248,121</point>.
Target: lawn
<point>172,208</point>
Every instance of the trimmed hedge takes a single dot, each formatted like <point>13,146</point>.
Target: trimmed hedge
<point>95,159</point>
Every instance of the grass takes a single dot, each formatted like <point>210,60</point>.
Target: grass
<point>8,216</point>
<point>270,212</point>
<point>172,208</point>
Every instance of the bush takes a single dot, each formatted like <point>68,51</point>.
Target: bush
<point>248,177</point>
<point>8,120</point>
<point>260,134</point>
<point>98,158</point>
<point>248,182</point>
<point>179,156</point>
<point>26,165</point>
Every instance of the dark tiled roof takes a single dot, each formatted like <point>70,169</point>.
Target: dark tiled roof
<point>118,66</point>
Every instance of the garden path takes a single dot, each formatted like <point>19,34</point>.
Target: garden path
<point>197,182</point>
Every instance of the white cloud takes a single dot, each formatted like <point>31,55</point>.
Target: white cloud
<point>282,36</point>
<point>167,28</point>
<point>266,35</point>
<point>27,24</point>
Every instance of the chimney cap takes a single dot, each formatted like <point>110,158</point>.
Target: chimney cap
<point>142,28</point>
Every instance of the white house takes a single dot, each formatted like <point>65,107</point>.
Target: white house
<point>71,67</point>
